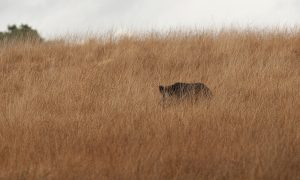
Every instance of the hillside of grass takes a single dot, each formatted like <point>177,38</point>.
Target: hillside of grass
<point>92,110</point>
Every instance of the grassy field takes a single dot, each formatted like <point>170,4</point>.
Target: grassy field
<point>92,110</point>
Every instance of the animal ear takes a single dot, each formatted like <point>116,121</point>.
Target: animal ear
<point>161,89</point>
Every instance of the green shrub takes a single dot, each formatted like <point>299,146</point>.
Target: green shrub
<point>23,32</point>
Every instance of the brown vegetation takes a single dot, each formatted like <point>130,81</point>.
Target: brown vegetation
<point>92,110</point>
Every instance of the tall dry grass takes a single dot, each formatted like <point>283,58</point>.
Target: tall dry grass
<point>92,110</point>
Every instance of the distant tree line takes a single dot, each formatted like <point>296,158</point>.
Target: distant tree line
<point>23,32</point>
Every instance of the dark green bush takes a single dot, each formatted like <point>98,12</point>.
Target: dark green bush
<point>23,32</point>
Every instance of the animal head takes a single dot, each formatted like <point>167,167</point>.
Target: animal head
<point>164,91</point>
<point>161,89</point>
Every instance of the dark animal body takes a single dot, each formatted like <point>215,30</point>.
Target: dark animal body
<point>185,90</point>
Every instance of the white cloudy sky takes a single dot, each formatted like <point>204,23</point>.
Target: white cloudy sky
<point>58,17</point>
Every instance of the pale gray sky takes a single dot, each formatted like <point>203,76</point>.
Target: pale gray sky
<point>58,17</point>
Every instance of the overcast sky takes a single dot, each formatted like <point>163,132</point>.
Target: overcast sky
<point>58,17</point>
